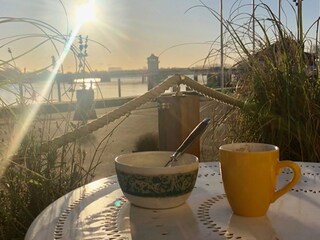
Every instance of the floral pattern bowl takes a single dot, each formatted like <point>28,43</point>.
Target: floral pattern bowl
<point>146,183</point>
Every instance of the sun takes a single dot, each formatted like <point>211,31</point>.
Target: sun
<point>86,12</point>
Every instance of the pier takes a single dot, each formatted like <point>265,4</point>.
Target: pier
<point>152,75</point>
<point>105,76</point>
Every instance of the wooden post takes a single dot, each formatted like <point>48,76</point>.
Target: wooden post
<point>178,115</point>
<point>195,77</point>
<point>119,87</point>
<point>59,90</point>
<point>151,81</point>
<point>21,98</point>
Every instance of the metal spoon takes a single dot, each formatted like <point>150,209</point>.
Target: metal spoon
<point>196,132</point>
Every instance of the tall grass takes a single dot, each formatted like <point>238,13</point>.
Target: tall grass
<point>285,97</point>
<point>35,179</point>
<point>30,177</point>
<point>277,80</point>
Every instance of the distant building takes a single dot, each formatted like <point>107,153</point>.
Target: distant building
<point>153,64</point>
<point>153,71</point>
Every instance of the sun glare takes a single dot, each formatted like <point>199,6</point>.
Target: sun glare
<point>86,12</point>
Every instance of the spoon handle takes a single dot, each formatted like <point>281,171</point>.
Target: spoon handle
<point>196,132</point>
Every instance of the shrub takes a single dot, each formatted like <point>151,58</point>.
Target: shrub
<point>147,142</point>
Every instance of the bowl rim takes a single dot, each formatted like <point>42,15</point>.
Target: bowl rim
<point>195,163</point>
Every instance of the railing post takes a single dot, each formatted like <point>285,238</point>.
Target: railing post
<point>177,116</point>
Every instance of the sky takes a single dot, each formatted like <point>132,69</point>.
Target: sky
<point>125,32</point>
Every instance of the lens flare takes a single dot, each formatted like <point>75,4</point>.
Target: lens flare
<point>25,122</point>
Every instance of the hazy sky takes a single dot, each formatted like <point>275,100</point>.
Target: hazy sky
<point>131,30</point>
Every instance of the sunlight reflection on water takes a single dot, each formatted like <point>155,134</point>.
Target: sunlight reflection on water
<point>102,90</point>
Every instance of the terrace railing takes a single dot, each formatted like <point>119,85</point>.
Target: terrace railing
<point>137,102</point>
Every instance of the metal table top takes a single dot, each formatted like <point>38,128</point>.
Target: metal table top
<point>100,211</point>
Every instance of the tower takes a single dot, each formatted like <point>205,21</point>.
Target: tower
<point>153,64</point>
<point>153,71</point>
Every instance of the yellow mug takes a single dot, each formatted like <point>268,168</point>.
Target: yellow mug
<point>249,173</point>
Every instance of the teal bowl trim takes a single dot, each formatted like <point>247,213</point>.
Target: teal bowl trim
<point>157,186</point>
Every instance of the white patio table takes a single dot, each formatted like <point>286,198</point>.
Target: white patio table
<point>99,210</point>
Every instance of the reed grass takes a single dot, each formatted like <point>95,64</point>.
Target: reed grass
<point>275,81</point>
<point>31,178</point>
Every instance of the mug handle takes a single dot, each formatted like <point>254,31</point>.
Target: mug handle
<point>296,177</point>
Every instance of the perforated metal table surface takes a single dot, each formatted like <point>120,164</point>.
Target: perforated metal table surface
<point>100,211</point>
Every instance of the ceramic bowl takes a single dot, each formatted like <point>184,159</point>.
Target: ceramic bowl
<point>146,183</point>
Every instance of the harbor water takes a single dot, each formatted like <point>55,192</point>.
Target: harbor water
<point>37,92</point>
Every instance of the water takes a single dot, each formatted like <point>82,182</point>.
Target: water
<point>34,92</point>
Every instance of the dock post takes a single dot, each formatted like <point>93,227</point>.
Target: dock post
<point>195,77</point>
<point>21,98</point>
<point>119,87</point>
<point>59,90</point>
